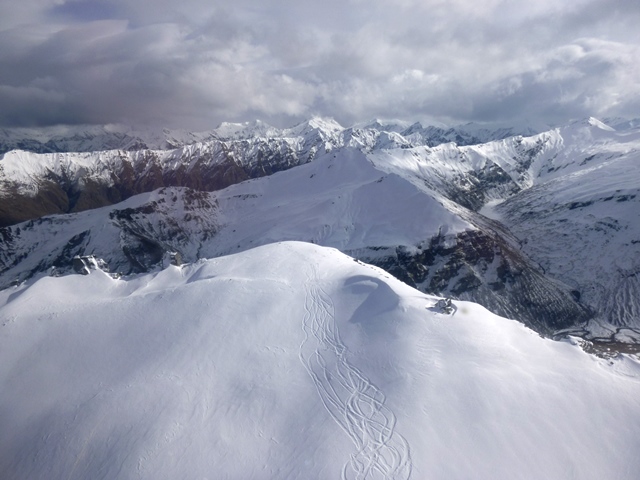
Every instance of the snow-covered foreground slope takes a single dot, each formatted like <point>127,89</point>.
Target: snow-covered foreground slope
<point>294,361</point>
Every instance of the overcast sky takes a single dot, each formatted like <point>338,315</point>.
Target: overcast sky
<point>194,63</point>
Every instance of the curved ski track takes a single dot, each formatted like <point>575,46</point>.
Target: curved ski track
<point>350,398</point>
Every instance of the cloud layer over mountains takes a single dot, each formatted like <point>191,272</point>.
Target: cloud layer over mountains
<point>195,63</point>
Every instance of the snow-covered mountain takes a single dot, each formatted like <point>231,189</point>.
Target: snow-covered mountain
<point>293,361</point>
<point>34,185</point>
<point>98,166</point>
<point>426,214</point>
<point>82,176</point>
<point>342,199</point>
<point>92,138</point>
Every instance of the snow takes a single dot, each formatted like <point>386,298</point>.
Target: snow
<point>228,130</point>
<point>341,201</point>
<point>89,138</point>
<point>581,222</point>
<point>294,361</point>
<point>489,209</point>
<point>569,194</point>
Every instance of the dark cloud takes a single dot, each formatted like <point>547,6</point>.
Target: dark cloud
<point>193,63</point>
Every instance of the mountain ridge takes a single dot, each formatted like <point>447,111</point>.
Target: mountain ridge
<point>489,188</point>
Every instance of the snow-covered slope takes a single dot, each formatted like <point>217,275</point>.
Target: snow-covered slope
<point>293,361</point>
<point>572,198</point>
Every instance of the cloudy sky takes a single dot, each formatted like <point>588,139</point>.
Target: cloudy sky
<point>194,63</point>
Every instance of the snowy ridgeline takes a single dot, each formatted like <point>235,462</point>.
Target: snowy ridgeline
<point>90,138</point>
<point>293,361</point>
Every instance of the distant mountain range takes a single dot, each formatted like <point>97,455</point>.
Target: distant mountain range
<point>543,228</point>
<point>92,138</point>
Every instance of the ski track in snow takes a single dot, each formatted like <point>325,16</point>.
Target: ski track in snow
<point>350,398</point>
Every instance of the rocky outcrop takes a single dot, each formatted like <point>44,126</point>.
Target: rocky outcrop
<point>481,267</point>
<point>85,264</point>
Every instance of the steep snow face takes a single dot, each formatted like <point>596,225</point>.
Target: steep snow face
<point>340,200</point>
<point>294,361</point>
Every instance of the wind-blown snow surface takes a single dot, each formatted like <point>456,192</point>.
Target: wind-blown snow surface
<point>294,361</point>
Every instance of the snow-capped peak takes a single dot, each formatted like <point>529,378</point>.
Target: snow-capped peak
<point>594,122</point>
<point>589,122</point>
<point>386,125</point>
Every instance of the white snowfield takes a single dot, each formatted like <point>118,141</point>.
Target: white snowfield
<point>293,361</point>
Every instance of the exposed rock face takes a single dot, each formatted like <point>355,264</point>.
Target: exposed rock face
<point>129,239</point>
<point>16,207</point>
<point>482,267</point>
<point>172,258</point>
